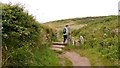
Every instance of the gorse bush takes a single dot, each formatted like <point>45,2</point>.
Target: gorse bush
<point>18,26</point>
<point>22,36</point>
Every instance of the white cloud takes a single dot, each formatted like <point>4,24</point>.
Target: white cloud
<point>48,10</point>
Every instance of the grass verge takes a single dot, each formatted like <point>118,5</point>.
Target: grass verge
<point>45,57</point>
<point>94,57</point>
<point>67,62</point>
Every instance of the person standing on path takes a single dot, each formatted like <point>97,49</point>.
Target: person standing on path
<point>65,33</point>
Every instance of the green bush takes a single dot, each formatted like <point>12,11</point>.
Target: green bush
<point>20,35</point>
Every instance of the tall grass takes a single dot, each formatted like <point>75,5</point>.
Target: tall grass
<point>101,36</point>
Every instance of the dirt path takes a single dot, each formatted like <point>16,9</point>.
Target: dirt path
<point>76,59</point>
<point>72,56</point>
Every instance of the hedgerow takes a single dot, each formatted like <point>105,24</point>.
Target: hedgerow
<point>21,36</point>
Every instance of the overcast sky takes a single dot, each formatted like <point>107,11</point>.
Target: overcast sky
<point>50,10</point>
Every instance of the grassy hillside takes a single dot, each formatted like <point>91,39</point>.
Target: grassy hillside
<point>101,38</point>
<point>74,23</point>
<point>25,42</point>
<point>101,35</point>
